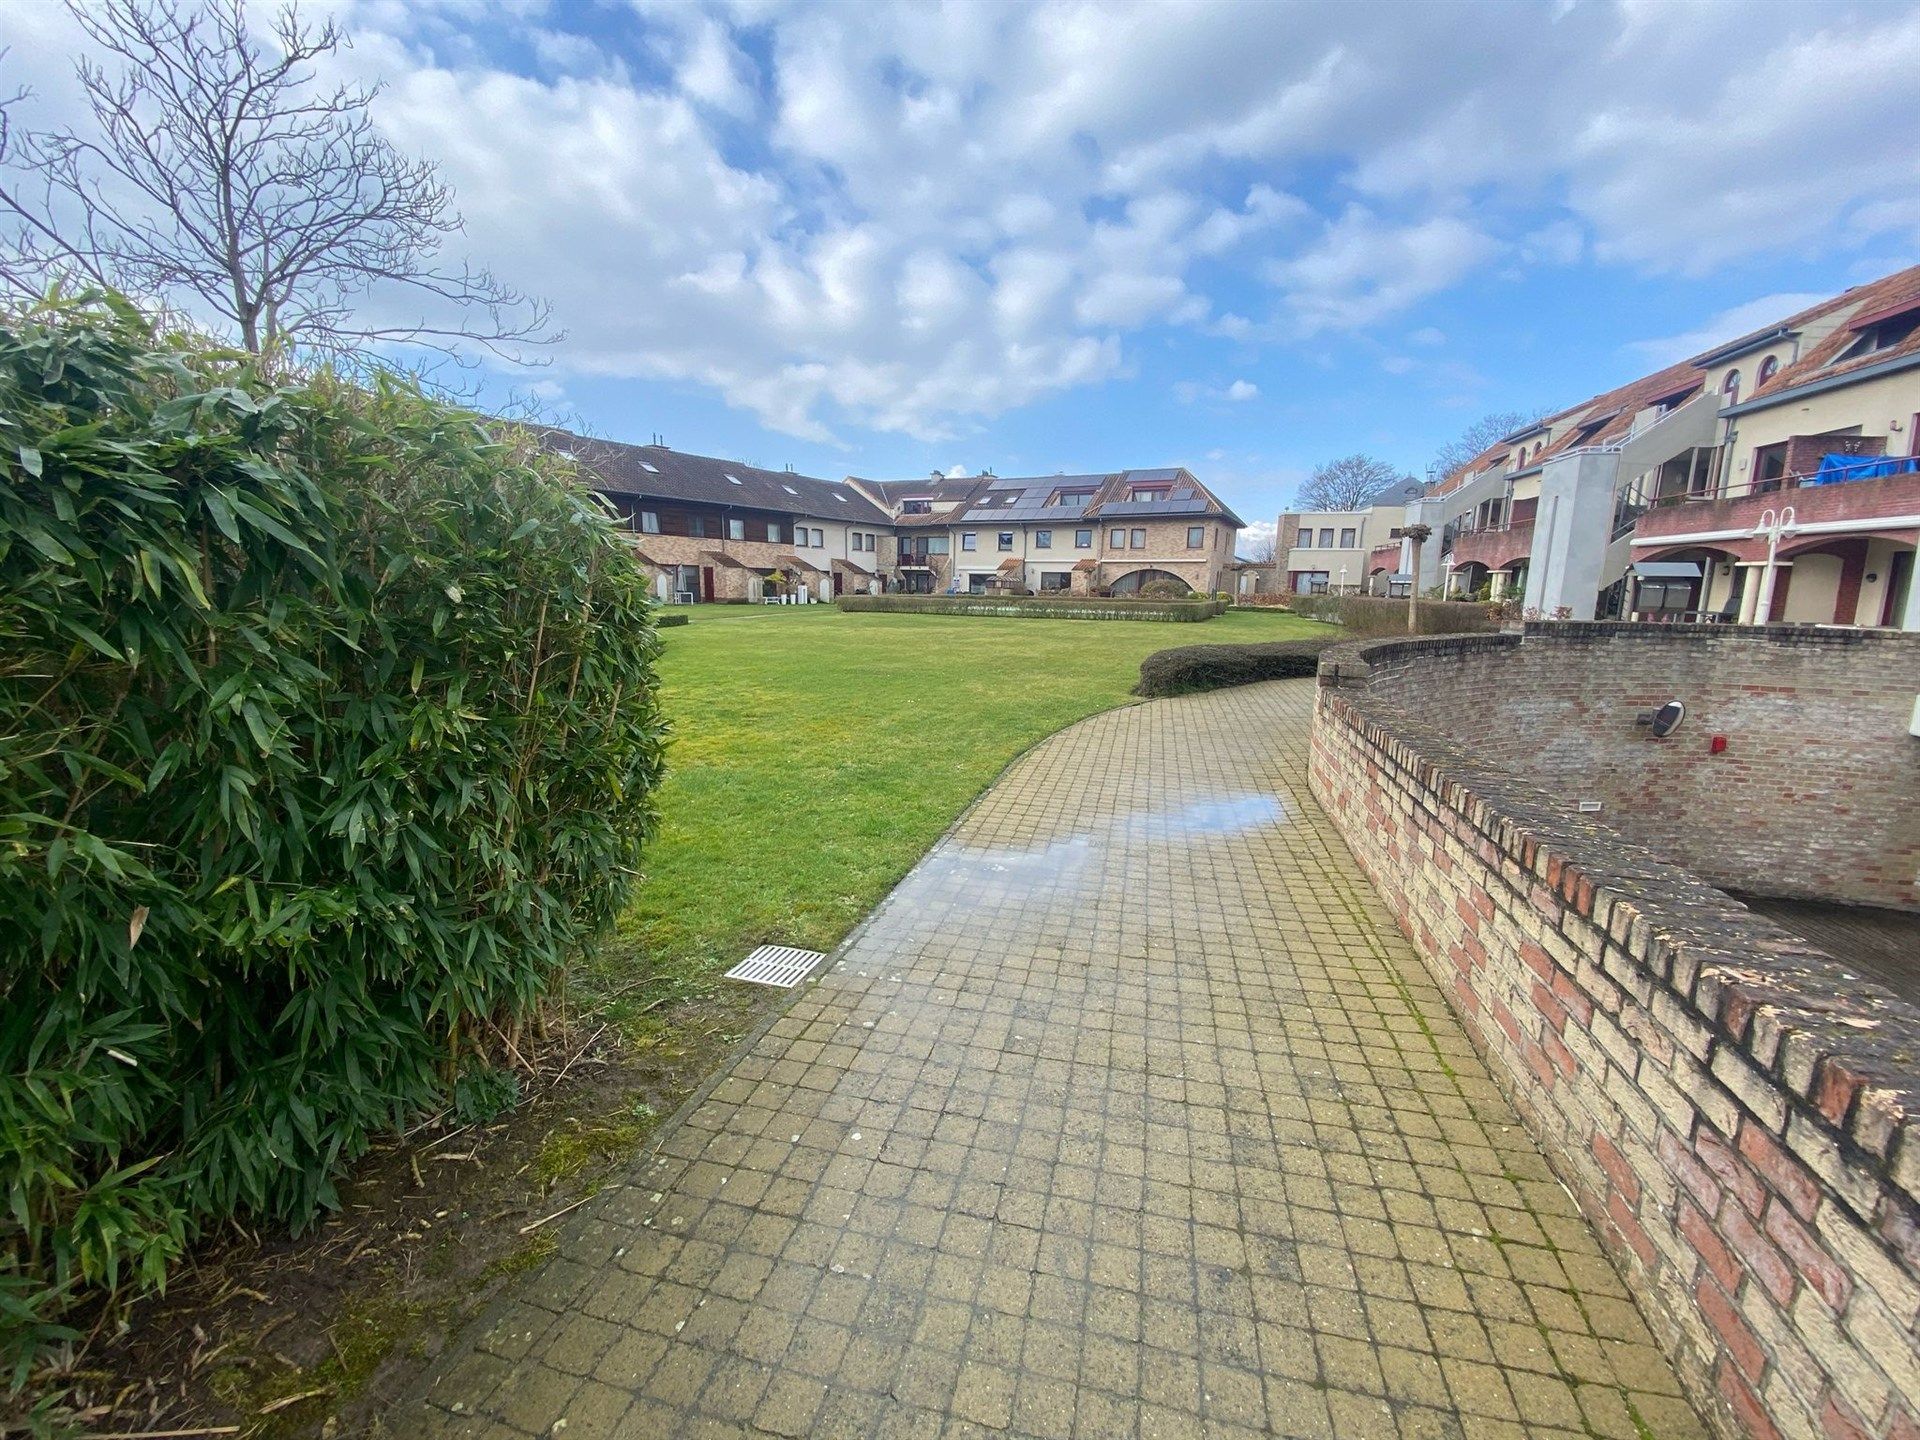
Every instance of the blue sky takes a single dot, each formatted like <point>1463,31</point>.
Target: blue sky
<point>1054,235</point>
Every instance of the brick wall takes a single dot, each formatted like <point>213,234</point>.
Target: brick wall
<point>1817,793</point>
<point>1739,1119</point>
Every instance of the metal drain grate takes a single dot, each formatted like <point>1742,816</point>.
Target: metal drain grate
<point>779,965</point>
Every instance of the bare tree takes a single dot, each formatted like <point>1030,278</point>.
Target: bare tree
<point>1349,483</point>
<point>1483,434</point>
<point>221,180</point>
<point>1258,549</point>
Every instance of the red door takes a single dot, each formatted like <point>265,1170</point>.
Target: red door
<point>706,581</point>
<point>838,581</point>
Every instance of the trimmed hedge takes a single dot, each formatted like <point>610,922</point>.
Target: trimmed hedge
<point>1034,607</point>
<point>1187,669</point>
<point>670,617</point>
<point>327,736</point>
<point>1375,616</point>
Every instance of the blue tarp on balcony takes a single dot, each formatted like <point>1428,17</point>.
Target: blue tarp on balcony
<point>1838,469</point>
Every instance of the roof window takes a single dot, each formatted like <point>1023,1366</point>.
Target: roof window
<point>733,479</point>
<point>650,469</point>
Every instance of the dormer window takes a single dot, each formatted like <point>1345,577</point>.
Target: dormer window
<point>1072,497</point>
<point>1881,330</point>
<point>1148,492</point>
<point>916,507</point>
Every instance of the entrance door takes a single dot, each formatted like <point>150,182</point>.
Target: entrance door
<point>706,581</point>
<point>839,582</point>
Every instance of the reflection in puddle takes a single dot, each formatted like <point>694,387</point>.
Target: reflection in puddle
<point>1191,820</point>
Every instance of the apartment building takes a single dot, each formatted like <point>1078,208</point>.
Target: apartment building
<point>1773,477</point>
<point>711,530</point>
<point>1074,534</point>
<point>1325,551</point>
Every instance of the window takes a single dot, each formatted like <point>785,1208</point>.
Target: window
<point>937,545</point>
<point>1073,497</point>
<point>1043,539</point>
<point>697,526</point>
<point>736,529</point>
<point>1006,539</point>
<point>1083,539</point>
<point>1116,539</point>
<point>970,541</point>
<point>650,469</point>
<point>916,507</point>
<point>1394,533</point>
<point>1881,333</point>
<point>1304,540</point>
<point>1326,538</point>
<point>773,531</point>
<point>1196,537</point>
<point>791,491</point>
<point>1055,580</point>
<point>650,521</point>
<point>1769,367</point>
<point>1730,387</point>
<point>1139,541</point>
<point>819,538</point>
<point>733,479</point>
<point>1348,539</point>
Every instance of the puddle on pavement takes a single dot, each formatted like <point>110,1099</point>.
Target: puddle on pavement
<point>1070,855</point>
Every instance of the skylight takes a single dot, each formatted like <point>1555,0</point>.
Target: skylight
<point>841,498</point>
<point>790,490</point>
<point>733,479</point>
<point>650,469</point>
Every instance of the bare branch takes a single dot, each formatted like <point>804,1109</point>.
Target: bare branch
<point>219,178</point>
<point>1349,483</point>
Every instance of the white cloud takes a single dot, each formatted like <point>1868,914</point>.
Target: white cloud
<point>1189,392</point>
<point>911,218</point>
<point>1363,269</point>
<point>1728,325</point>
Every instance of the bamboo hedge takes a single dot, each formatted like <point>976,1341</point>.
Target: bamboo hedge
<point>327,735</point>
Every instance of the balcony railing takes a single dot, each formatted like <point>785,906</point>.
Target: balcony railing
<point>1849,471</point>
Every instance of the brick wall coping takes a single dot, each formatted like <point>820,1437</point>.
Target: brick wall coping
<point>1843,1052</point>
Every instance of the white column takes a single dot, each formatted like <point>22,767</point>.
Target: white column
<point>1910,618</point>
<point>1750,591</point>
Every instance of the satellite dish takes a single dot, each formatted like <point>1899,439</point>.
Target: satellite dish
<point>1667,719</point>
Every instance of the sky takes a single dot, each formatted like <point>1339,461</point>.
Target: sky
<point>883,239</point>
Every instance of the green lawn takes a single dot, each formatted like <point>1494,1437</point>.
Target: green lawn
<point>817,755</point>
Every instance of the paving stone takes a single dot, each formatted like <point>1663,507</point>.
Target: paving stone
<point>1130,1113</point>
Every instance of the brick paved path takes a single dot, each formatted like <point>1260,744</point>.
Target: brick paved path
<point>1128,1113</point>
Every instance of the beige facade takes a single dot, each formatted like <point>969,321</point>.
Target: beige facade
<point>1328,549</point>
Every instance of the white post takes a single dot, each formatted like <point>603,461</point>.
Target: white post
<point>1910,620</point>
<point>1773,524</point>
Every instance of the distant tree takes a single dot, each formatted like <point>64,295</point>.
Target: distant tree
<point>1257,549</point>
<point>219,179</point>
<point>1349,483</point>
<point>1481,435</point>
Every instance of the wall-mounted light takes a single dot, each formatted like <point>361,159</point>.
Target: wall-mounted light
<point>1873,577</point>
<point>1893,425</point>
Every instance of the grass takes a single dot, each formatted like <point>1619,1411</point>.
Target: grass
<point>817,755</point>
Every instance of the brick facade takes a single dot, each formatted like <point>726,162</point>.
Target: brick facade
<point>1738,1116</point>
<point>1814,795</point>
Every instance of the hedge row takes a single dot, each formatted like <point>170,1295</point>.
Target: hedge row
<point>1187,669</point>
<point>327,735</point>
<point>1033,607</point>
<point>1370,616</point>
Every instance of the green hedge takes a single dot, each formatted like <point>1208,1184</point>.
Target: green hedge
<point>1371,616</point>
<point>1034,607</point>
<point>1190,668</point>
<point>671,617</point>
<point>327,734</point>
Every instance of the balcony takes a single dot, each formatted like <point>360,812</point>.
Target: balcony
<point>1852,495</point>
<point>1496,546</point>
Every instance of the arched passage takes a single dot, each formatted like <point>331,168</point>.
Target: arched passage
<point>1130,583</point>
